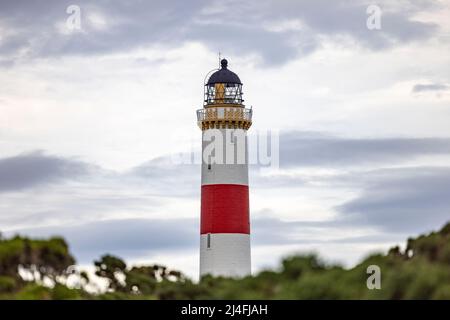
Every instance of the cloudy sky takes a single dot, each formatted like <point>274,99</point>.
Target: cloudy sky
<point>91,117</point>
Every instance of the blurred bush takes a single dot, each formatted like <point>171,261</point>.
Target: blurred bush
<point>421,271</point>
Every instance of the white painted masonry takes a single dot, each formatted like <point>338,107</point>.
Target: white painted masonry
<point>228,254</point>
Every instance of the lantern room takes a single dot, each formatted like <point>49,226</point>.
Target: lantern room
<point>223,87</point>
<point>223,104</point>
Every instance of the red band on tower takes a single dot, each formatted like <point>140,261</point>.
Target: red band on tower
<point>225,209</point>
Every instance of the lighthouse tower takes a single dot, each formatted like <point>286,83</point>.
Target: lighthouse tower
<point>225,223</point>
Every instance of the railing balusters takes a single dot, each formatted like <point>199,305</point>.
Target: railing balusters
<point>222,113</point>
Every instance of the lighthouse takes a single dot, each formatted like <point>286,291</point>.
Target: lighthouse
<point>225,221</point>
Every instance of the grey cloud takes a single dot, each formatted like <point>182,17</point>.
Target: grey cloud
<point>137,238</point>
<point>309,149</point>
<point>270,231</point>
<point>163,174</point>
<point>397,202</point>
<point>403,199</point>
<point>232,26</point>
<point>430,87</point>
<point>74,204</point>
<point>338,18</point>
<point>299,149</point>
<point>33,169</point>
<point>130,238</point>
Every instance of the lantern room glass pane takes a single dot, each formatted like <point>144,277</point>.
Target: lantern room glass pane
<point>220,93</point>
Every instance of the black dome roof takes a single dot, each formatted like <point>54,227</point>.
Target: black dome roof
<point>224,75</point>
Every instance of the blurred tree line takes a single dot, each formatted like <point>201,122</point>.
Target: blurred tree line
<point>41,269</point>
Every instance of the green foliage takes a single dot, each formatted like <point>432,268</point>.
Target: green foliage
<point>111,268</point>
<point>50,258</point>
<point>7,284</point>
<point>421,271</point>
<point>294,267</point>
<point>61,292</point>
<point>442,293</point>
<point>141,279</point>
<point>34,292</point>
